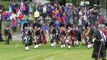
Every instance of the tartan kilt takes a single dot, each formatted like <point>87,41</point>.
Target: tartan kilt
<point>96,51</point>
<point>37,40</point>
<point>62,39</point>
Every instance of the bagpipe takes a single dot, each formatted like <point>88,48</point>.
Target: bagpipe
<point>26,40</point>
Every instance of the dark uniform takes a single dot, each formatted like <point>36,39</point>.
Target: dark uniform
<point>25,37</point>
<point>62,34</point>
<point>97,44</point>
<point>37,34</point>
<point>53,32</point>
<point>30,36</point>
<point>74,37</point>
<point>106,33</point>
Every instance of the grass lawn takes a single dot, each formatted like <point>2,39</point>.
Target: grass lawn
<point>45,52</point>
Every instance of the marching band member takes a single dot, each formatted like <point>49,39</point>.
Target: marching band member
<point>62,35</point>
<point>37,38</point>
<point>68,36</point>
<point>25,38</point>
<point>74,37</point>
<point>88,37</point>
<point>69,40</point>
<point>53,36</point>
<point>99,50</point>
<point>37,34</point>
<point>78,33</point>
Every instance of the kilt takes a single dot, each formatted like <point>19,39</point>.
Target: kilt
<point>96,50</point>
<point>53,38</point>
<point>37,40</point>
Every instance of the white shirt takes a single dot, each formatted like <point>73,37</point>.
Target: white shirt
<point>44,9</point>
<point>103,36</point>
<point>13,16</point>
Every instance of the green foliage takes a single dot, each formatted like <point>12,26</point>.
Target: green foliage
<point>69,1</point>
<point>5,3</point>
<point>78,2</point>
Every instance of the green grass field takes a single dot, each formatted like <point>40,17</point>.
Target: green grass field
<point>45,52</point>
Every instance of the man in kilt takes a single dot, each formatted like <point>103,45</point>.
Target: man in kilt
<point>53,35</point>
<point>62,35</point>
<point>68,35</point>
<point>74,37</point>
<point>26,36</point>
<point>30,34</point>
<point>37,34</point>
<point>99,44</point>
<point>88,37</point>
<point>37,41</point>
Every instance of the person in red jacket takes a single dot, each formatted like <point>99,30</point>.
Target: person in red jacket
<point>20,16</point>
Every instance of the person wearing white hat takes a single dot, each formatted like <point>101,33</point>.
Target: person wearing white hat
<point>99,44</point>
